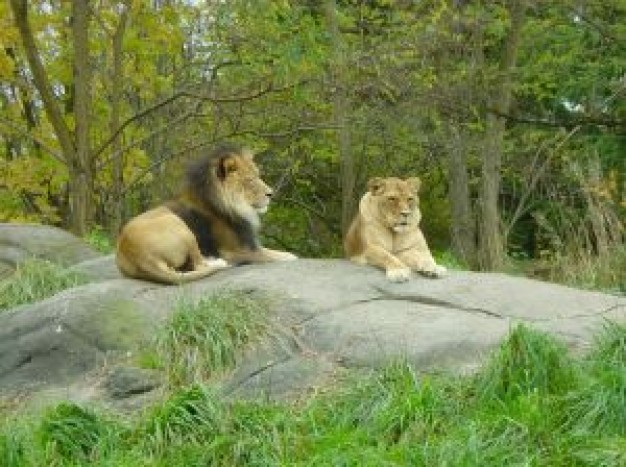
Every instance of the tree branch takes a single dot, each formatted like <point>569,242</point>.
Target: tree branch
<point>535,177</point>
<point>190,94</point>
<point>40,78</point>
<point>24,132</point>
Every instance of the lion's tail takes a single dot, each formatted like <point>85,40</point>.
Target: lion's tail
<point>163,273</point>
<point>158,270</point>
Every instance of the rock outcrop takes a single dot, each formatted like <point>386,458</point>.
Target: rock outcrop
<point>327,315</point>
<point>20,241</point>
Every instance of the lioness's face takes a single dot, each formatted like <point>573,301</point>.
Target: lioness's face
<point>397,201</point>
<point>242,181</point>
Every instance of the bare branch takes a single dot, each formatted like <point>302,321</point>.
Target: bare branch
<point>190,94</point>
<point>535,177</point>
<point>137,142</point>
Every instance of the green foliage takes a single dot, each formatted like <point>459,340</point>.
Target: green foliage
<point>204,337</point>
<point>100,240</point>
<point>448,259</point>
<point>264,74</point>
<point>35,280</point>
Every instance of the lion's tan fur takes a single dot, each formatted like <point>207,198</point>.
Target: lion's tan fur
<point>385,232</point>
<point>227,193</point>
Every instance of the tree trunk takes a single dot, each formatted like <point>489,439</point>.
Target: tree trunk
<point>75,148</point>
<point>40,79</point>
<point>491,245</point>
<point>340,110</point>
<point>117,84</point>
<point>81,201</point>
<point>463,229</point>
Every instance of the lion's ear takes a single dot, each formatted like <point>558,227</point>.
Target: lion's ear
<point>226,166</point>
<point>375,185</point>
<point>415,183</point>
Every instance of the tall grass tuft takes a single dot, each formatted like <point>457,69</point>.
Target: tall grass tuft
<point>12,449</point>
<point>582,268</point>
<point>601,404</point>
<point>204,337</point>
<point>610,346</point>
<point>73,433</point>
<point>258,433</point>
<point>34,280</point>
<point>190,415</point>
<point>527,361</point>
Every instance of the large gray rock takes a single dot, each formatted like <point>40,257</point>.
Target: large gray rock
<point>21,241</point>
<point>98,269</point>
<point>328,315</point>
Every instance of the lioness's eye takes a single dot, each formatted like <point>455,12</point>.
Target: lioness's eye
<point>393,199</point>
<point>411,199</point>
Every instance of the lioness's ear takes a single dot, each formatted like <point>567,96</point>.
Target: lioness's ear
<point>225,166</point>
<point>415,183</point>
<point>375,185</point>
<point>247,153</point>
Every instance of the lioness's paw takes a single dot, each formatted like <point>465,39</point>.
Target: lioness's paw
<point>436,272</point>
<point>215,263</point>
<point>398,274</point>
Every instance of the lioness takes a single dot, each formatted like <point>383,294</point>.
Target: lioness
<point>213,222</point>
<point>386,233</point>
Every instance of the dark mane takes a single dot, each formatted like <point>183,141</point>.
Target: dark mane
<point>197,180</point>
<point>201,187</point>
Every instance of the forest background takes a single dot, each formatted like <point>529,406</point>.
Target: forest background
<point>512,112</point>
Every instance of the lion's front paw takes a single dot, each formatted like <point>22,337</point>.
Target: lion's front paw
<point>436,272</point>
<point>285,256</point>
<point>215,263</point>
<point>398,274</point>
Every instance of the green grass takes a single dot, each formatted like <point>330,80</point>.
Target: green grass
<point>34,280</point>
<point>530,405</point>
<point>205,337</point>
<point>449,259</point>
<point>99,240</point>
<point>582,269</point>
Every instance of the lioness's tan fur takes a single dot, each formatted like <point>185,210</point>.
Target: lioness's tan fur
<point>213,222</point>
<point>386,233</point>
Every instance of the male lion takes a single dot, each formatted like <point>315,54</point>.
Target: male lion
<point>215,216</point>
<point>386,233</point>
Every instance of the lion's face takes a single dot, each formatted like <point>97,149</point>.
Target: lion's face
<point>396,201</point>
<point>242,183</point>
